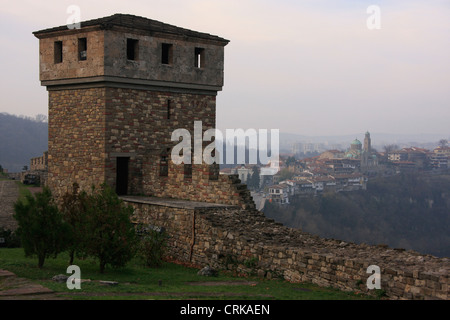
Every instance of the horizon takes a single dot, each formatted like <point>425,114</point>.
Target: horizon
<point>354,134</point>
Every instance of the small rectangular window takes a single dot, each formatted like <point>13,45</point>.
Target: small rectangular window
<point>214,170</point>
<point>132,49</point>
<point>164,166</point>
<point>187,171</point>
<point>199,57</point>
<point>169,108</point>
<point>82,49</point>
<point>58,51</point>
<point>167,53</point>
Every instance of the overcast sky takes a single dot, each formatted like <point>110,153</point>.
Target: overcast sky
<point>311,67</point>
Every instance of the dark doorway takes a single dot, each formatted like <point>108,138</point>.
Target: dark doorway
<point>122,176</point>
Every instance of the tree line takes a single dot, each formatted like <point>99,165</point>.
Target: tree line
<point>21,138</point>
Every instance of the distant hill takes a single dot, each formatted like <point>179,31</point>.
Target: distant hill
<point>21,138</point>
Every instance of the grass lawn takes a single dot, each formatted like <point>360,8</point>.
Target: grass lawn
<point>169,282</point>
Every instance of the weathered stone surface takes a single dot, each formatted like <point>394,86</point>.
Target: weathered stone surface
<point>218,237</point>
<point>6,273</point>
<point>207,272</point>
<point>13,287</point>
<point>9,193</point>
<point>60,278</point>
<point>90,128</point>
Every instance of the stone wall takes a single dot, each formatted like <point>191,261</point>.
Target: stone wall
<point>247,242</point>
<point>76,138</point>
<point>39,163</point>
<point>107,58</point>
<point>181,67</point>
<point>90,128</point>
<point>138,125</point>
<point>71,66</point>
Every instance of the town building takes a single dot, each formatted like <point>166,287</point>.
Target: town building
<point>279,194</point>
<point>244,173</point>
<point>408,159</point>
<point>439,158</point>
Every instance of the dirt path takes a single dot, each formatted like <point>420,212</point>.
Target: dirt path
<point>15,288</point>
<point>9,192</point>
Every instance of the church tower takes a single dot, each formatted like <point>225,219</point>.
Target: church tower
<point>367,143</point>
<point>118,87</point>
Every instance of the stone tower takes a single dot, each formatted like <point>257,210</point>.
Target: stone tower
<point>369,159</point>
<point>118,87</point>
<point>367,143</point>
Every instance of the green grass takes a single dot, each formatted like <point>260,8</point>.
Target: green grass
<point>137,282</point>
<point>23,189</point>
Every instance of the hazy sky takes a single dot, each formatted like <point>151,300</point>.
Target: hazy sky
<point>310,67</point>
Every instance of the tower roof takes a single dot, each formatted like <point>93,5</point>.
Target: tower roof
<point>136,22</point>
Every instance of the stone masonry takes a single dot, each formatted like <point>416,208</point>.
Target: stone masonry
<point>230,238</point>
<point>85,149</point>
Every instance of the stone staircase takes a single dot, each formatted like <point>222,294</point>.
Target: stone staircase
<point>15,288</point>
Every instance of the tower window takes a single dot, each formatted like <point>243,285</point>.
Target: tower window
<point>164,166</point>
<point>82,49</point>
<point>169,108</point>
<point>122,175</point>
<point>199,57</point>
<point>132,49</point>
<point>187,171</point>
<point>167,53</point>
<point>58,52</point>
<point>214,172</point>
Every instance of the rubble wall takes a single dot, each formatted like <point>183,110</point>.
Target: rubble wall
<point>247,242</point>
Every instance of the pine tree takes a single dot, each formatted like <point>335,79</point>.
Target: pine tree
<point>41,227</point>
<point>112,237</point>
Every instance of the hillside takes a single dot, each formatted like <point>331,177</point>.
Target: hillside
<point>405,211</point>
<point>21,139</point>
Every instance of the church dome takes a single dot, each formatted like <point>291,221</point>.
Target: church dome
<point>356,142</point>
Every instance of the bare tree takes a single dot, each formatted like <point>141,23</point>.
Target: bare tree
<point>390,147</point>
<point>443,143</point>
<point>41,118</point>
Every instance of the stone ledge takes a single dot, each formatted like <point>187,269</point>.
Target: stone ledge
<point>176,203</point>
<point>6,273</point>
<point>130,83</point>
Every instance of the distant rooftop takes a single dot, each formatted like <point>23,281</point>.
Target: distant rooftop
<point>136,22</point>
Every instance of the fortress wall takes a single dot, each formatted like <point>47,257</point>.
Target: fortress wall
<point>76,139</point>
<point>229,238</point>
